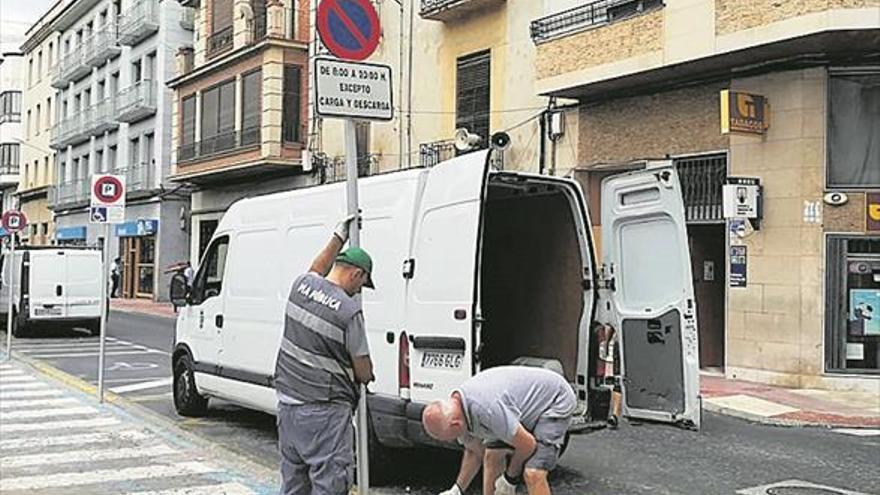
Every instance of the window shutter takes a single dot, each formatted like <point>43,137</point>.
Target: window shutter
<point>472,93</point>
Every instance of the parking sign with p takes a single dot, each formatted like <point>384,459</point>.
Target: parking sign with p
<point>14,221</point>
<point>108,199</point>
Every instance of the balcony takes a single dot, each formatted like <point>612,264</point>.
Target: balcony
<point>68,132</point>
<point>9,174</point>
<point>446,10</point>
<point>70,192</point>
<point>71,67</point>
<point>139,22</point>
<point>188,18</point>
<point>136,102</point>
<point>432,153</point>
<point>138,178</point>
<point>100,117</point>
<point>101,45</point>
<point>219,144</point>
<point>220,41</point>
<point>586,16</point>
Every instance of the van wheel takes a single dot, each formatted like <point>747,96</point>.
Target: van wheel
<point>383,459</point>
<point>94,327</point>
<point>187,400</point>
<point>18,325</point>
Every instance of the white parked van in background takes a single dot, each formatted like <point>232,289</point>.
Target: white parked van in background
<point>58,285</point>
<point>473,268</point>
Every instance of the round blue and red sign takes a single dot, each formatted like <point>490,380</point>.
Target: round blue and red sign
<point>14,221</point>
<point>349,28</point>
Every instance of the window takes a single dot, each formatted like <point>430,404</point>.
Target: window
<point>46,178</point>
<point>48,122</point>
<point>49,55</point>
<point>472,94</point>
<point>290,123</point>
<point>99,161</point>
<point>136,72</point>
<point>221,15</point>
<point>146,262</point>
<point>39,64</point>
<point>150,68</point>
<point>188,128</point>
<point>209,281</point>
<point>111,158</point>
<point>10,106</point>
<point>38,121</point>
<point>853,127</point>
<point>30,71</point>
<point>10,153</point>
<point>852,304</point>
<point>27,131</point>
<point>134,152</point>
<point>206,231</point>
<point>250,107</point>
<point>218,118</point>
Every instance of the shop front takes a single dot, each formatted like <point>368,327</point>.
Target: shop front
<point>71,236</point>
<point>137,252</point>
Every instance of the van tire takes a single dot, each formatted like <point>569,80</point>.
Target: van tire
<point>19,327</point>
<point>94,327</point>
<point>187,400</point>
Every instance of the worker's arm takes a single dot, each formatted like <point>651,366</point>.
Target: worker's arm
<point>324,261</point>
<point>524,445</point>
<point>471,461</point>
<point>359,349</point>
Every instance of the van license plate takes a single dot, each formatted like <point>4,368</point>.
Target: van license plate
<point>442,360</point>
<point>47,311</point>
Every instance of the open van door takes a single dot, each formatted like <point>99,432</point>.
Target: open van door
<point>442,272</point>
<point>648,274</point>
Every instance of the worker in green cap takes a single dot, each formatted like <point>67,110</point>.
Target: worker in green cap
<point>323,356</point>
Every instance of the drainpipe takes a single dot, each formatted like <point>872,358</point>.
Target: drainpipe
<point>542,154</point>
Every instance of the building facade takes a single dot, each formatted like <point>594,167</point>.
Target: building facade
<point>648,75</point>
<point>10,128</point>
<point>240,106</point>
<point>114,115</point>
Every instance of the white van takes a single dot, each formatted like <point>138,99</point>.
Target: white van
<point>474,268</point>
<point>58,285</point>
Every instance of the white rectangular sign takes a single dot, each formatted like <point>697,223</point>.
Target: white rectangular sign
<point>107,214</point>
<point>740,197</point>
<point>353,90</point>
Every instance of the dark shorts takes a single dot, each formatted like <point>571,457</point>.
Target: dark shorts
<point>550,435</point>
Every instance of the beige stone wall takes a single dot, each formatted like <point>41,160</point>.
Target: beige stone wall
<point>617,41</point>
<point>775,325</point>
<point>737,15</point>
<point>650,126</point>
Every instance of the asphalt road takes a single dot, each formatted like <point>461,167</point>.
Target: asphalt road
<point>727,456</point>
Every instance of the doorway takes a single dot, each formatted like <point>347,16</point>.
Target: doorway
<point>138,266</point>
<point>706,243</point>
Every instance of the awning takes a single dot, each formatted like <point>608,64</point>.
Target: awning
<point>70,233</point>
<point>137,228</point>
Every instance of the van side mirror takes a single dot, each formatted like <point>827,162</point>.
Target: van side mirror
<point>179,291</point>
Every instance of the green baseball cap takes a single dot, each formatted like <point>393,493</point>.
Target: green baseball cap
<point>356,256</point>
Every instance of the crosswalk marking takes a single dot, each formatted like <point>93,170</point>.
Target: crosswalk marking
<point>104,476</point>
<point>22,394</point>
<point>22,386</point>
<point>17,379</point>
<point>82,456</point>
<point>89,354</point>
<point>24,403</point>
<point>859,432</point>
<point>10,372</point>
<point>221,489</point>
<point>47,413</point>
<point>164,382</point>
<point>81,439</point>
<point>6,428</point>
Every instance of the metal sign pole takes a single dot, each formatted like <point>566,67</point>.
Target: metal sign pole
<point>105,301</point>
<point>351,177</point>
<point>10,285</point>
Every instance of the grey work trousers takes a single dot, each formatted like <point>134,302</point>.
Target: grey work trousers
<point>315,440</point>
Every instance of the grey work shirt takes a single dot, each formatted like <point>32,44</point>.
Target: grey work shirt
<point>498,400</point>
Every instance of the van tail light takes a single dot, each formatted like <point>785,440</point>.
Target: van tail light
<point>403,366</point>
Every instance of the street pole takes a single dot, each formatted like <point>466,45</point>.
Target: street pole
<point>351,177</point>
<point>10,285</point>
<point>105,256</point>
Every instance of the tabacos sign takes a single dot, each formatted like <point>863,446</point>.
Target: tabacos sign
<point>744,112</point>
<point>872,207</point>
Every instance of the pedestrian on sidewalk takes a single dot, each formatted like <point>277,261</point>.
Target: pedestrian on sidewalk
<point>323,353</point>
<point>115,269</point>
<point>513,420</point>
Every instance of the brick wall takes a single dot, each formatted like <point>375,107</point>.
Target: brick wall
<point>675,122</point>
<point>737,15</point>
<point>617,41</point>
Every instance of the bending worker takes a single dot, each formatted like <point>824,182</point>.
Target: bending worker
<point>511,419</point>
<point>323,353</point>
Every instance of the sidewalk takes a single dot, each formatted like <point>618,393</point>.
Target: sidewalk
<point>56,439</point>
<point>143,306</point>
<point>790,407</point>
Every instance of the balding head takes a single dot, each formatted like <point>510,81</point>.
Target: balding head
<point>444,419</point>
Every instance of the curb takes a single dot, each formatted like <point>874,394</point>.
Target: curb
<point>144,313</point>
<point>244,463</point>
<point>773,421</point>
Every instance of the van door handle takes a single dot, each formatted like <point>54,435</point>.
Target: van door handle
<point>58,290</point>
<point>218,321</point>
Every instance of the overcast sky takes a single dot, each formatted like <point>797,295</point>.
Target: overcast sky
<point>16,16</point>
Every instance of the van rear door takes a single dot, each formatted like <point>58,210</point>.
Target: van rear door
<point>442,270</point>
<point>82,287</point>
<point>48,272</point>
<point>647,263</point>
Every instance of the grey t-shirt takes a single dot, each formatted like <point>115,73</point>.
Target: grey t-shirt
<point>498,400</point>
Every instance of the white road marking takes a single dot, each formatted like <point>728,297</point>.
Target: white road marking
<point>791,485</point>
<point>10,371</point>
<point>30,347</point>
<point>47,413</point>
<point>57,425</point>
<point>22,386</point>
<point>42,459</point>
<point>751,405</point>
<point>23,394</point>
<point>221,489</point>
<point>81,439</point>
<point>164,382</point>
<point>25,403</point>
<point>16,379</point>
<point>859,432</point>
<point>89,354</point>
<point>6,367</point>
<point>104,476</point>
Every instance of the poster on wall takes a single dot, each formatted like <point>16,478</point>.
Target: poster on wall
<point>864,312</point>
<point>738,266</point>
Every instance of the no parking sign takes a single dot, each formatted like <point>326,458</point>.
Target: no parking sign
<point>349,28</point>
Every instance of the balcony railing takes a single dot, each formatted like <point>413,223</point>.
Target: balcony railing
<point>587,16</point>
<point>188,18</point>
<point>221,143</point>
<point>444,10</point>
<point>138,22</point>
<point>70,67</point>
<point>100,117</point>
<point>73,191</point>
<point>136,102</point>
<point>101,45</point>
<point>220,41</point>
<point>432,153</point>
<point>137,177</point>
<point>9,170</point>
<point>68,131</point>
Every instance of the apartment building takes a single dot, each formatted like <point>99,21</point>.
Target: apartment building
<point>10,129</point>
<point>37,171</point>
<point>648,76</point>
<point>240,105</point>
<point>113,115</point>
